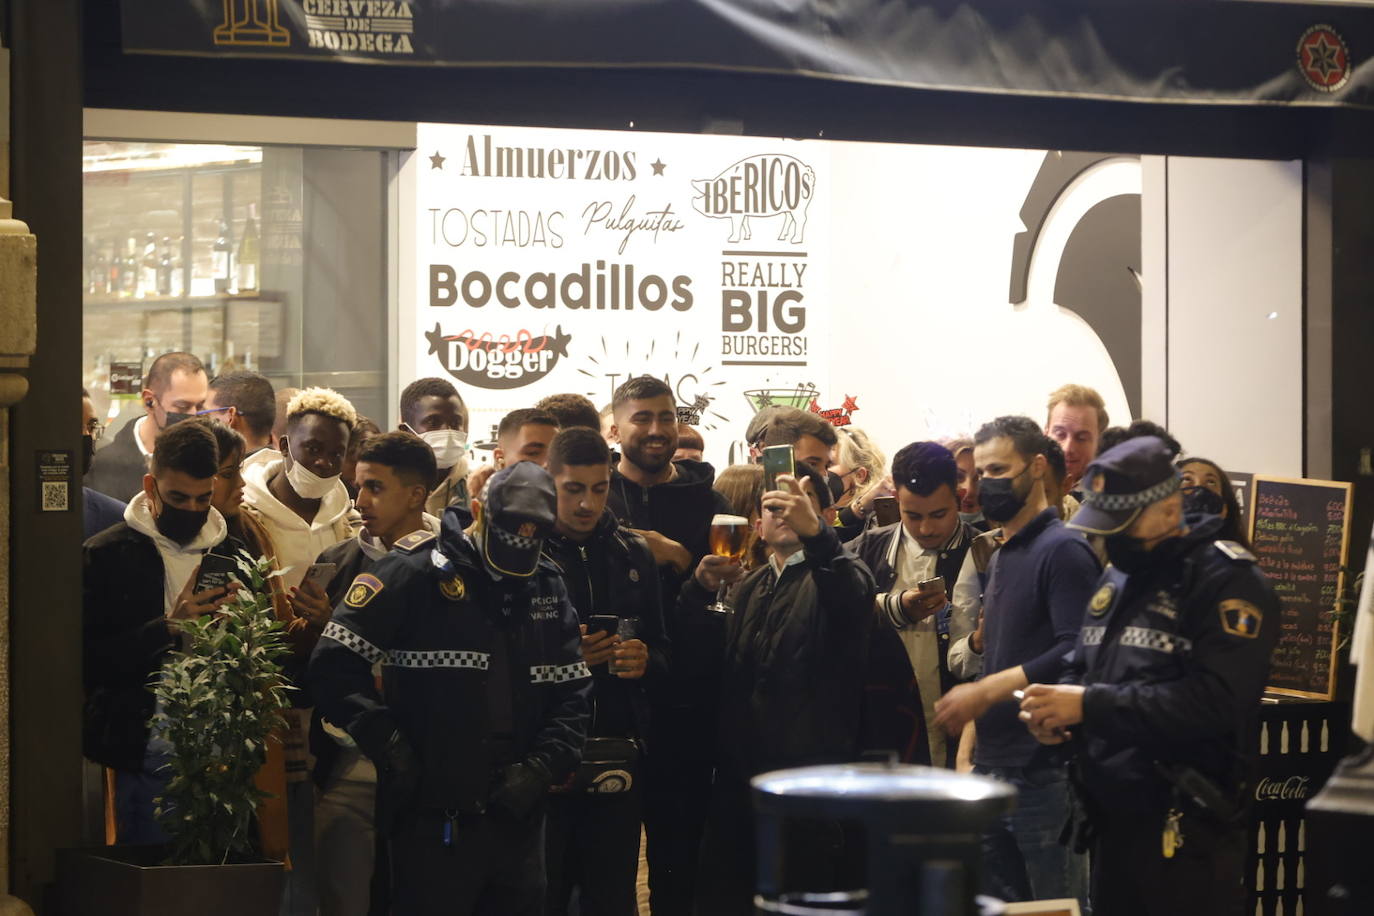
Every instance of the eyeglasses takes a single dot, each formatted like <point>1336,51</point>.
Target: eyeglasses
<point>201,413</point>
<point>95,429</point>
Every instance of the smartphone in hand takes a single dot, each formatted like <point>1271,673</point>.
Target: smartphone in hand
<point>602,623</point>
<point>218,569</point>
<point>320,575</point>
<point>777,459</point>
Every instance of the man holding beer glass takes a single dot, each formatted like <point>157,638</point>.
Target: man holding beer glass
<point>793,678</point>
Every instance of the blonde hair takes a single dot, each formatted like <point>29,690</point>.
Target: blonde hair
<point>1078,396</point>
<point>324,401</point>
<point>957,445</point>
<point>856,450</point>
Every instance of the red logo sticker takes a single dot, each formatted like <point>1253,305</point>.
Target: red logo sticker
<point>1324,59</point>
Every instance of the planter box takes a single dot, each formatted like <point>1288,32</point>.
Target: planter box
<point>129,881</point>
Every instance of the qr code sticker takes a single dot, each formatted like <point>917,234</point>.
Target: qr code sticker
<point>54,496</point>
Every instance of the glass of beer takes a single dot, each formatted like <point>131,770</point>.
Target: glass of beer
<point>729,538</point>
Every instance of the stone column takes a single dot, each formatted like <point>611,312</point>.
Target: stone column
<point>18,339</point>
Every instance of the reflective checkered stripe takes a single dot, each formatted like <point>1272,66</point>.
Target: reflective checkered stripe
<point>1154,640</point>
<point>558,674</point>
<point>1092,636</point>
<point>347,638</point>
<point>438,658</point>
<point>511,539</point>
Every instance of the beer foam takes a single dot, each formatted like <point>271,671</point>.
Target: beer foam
<point>729,520</point>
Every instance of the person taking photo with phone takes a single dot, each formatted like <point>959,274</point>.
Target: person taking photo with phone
<point>916,563</point>
<point>592,835</point>
<point>792,690</point>
<point>139,582</point>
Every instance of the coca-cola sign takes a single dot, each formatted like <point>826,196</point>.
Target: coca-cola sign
<point>1280,789</point>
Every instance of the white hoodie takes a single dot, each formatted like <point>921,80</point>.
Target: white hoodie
<point>178,562</point>
<point>297,543</point>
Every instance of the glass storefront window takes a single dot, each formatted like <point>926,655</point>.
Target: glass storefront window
<point>251,257</point>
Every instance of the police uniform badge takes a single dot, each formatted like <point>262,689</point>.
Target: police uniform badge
<point>364,588</point>
<point>453,588</point>
<point>1102,600</point>
<point>634,575</point>
<point>1240,618</point>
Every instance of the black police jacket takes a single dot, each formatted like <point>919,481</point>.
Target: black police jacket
<point>436,619</point>
<point>1174,658</point>
<point>613,572</point>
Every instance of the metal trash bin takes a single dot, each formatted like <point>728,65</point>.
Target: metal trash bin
<point>922,828</point>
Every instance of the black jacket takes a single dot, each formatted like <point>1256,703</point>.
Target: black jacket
<point>117,469</point>
<point>613,572</point>
<point>874,547</point>
<point>439,624</point>
<point>681,509</point>
<point>124,643</point>
<point>1175,658</point>
<point>795,646</point>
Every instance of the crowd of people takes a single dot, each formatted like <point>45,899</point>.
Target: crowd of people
<point>505,673</point>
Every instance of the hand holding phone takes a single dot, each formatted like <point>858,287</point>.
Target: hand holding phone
<point>320,575</point>
<point>602,623</point>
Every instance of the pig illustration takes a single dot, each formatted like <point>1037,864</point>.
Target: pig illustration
<point>761,186</point>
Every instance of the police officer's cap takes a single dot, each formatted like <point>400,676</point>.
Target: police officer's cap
<point>520,508</point>
<point>1122,481</point>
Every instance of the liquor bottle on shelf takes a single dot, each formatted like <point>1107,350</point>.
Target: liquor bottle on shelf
<point>248,254</point>
<point>129,269</point>
<point>97,270</point>
<point>223,259</point>
<point>164,268</point>
<point>114,277</point>
<point>147,266</point>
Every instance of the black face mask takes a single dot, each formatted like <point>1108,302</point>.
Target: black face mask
<point>1202,501</point>
<point>174,418</point>
<point>87,454</point>
<point>836,483</point>
<point>998,497</point>
<point>180,525</point>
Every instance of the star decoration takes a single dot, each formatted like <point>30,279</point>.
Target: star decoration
<point>436,161</point>
<point>1322,58</point>
<point>658,165</point>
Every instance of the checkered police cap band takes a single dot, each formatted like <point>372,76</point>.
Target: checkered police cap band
<point>513,540</point>
<point>1119,502</point>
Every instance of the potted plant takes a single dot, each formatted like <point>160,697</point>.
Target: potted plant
<point>219,699</point>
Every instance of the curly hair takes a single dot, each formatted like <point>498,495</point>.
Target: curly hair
<point>324,401</point>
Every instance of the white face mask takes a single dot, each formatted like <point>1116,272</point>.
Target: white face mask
<point>307,484</point>
<point>449,445</point>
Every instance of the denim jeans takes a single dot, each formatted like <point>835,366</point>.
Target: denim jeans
<point>1022,857</point>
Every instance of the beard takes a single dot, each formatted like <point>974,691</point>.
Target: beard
<point>634,453</point>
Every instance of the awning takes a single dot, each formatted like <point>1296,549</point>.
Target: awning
<point>1223,52</point>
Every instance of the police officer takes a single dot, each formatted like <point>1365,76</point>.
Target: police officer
<point>1162,696</point>
<point>484,704</point>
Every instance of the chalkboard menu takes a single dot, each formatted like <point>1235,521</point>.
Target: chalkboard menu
<point>1300,530</point>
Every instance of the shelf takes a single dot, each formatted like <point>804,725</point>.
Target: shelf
<point>182,302</point>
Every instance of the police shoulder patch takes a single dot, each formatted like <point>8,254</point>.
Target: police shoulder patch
<point>1102,600</point>
<point>1235,551</point>
<point>414,541</point>
<point>453,588</point>
<point>364,588</point>
<point>1240,617</point>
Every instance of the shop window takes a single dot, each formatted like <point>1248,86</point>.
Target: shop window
<point>251,257</point>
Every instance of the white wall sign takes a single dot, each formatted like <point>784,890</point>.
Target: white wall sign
<point>554,261</point>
